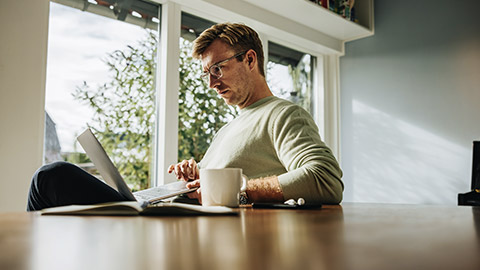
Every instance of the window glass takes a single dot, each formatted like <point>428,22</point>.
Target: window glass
<point>201,111</point>
<point>290,75</point>
<point>100,74</point>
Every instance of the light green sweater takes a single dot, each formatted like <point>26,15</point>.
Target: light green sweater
<point>276,137</point>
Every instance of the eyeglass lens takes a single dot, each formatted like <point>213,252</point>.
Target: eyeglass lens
<point>215,71</point>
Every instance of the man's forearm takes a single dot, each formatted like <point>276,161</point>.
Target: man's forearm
<point>264,190</point>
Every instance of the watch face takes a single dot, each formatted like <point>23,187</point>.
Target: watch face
<point>243,198</point>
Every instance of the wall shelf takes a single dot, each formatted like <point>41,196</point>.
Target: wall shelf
<point>323,20</point>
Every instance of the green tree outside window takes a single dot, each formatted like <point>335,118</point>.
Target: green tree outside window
<point>125,109</point>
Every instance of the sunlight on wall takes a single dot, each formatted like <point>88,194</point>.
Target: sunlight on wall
<point>397,162</point>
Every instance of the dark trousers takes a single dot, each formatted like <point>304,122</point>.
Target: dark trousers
<point>62,183</point>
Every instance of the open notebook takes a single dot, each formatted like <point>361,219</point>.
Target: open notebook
<point>112,177</point>
<point>133,208</point>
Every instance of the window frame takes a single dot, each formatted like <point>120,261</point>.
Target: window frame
<point>129,19</point>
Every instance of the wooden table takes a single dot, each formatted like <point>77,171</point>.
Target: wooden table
<point>351,236</point>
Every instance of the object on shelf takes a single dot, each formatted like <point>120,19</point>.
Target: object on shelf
<point>324,3</point>
<point>345,8</point>
<point>333,5</point>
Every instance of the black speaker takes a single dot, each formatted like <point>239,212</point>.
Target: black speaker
<point>476,166</point>
<point>473,197</point>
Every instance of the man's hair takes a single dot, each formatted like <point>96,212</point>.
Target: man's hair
<point>239,36</point>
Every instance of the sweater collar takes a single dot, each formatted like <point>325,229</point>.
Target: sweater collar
<point>258,103</point>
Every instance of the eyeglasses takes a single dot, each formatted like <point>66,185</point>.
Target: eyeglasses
<point>216,70</point>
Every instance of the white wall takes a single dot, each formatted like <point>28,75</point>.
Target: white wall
<point>23,47</point>
<point>410,99</point>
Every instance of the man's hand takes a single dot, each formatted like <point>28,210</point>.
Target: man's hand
<point>186,170</point>
<point>197,194</point>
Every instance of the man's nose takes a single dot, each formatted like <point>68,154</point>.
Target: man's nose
<point>213,82</point>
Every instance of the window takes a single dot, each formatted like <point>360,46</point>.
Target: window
<point>201,111</point>
<point>100,74</point>
<point>290,75</point>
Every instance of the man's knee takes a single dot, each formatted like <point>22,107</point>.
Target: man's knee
<point>46,183</point>
<point>50,173</point>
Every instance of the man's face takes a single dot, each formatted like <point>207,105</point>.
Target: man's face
<point>234,86</point>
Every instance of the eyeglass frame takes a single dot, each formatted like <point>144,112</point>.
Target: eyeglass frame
<point>206,75</point>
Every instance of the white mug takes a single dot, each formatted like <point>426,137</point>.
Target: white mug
<point>222,186</point>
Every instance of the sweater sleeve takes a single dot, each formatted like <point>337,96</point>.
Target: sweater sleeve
<point>313,172</point>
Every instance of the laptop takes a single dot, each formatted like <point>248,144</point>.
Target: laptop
<point>112,177</point>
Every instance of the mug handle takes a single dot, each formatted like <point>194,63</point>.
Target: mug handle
<point>243,188</point>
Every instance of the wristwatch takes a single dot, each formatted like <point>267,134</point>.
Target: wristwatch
<point>243,197</point>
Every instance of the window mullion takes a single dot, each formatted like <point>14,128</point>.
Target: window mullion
<point>332,103</point>
<point>167,93</point>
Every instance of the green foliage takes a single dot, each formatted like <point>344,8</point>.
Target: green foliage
<point>125,109</point>
<point>76,157</point>
<point>201,112</point>
<point>299,91</point>
<point>302,87</point>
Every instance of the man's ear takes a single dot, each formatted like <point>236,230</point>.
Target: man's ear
<point>251,57</point>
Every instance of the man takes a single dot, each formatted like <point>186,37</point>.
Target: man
<point>275,142</point>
